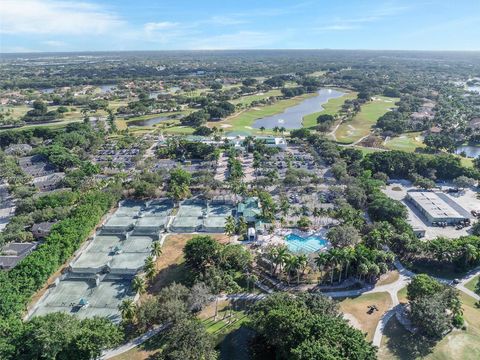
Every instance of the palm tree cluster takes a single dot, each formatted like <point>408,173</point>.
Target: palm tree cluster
<point>233,226</point>
<point>284,263</point>
<point>360,261</point>
<point>280,130</point>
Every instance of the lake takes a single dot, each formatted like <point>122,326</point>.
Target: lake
<point>47,90</point>
<point>471,150</point>
<point>150,122</point>
<point>474,88</point>
<point>292,117</point>
<point>106,88</point>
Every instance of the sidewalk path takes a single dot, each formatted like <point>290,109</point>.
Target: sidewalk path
<point>132,343</point>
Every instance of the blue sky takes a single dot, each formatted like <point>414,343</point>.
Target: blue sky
<point>92,25</point>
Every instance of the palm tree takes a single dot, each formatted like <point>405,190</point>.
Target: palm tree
<point>291,265</point>
<point>336,260</point>
<point>280,258</point>
<point>282,130</point>
<point>348,257</point>
<point>470,253</point>
<point>362,270</point>
<point>321,261</point>
<point>138,285</point>
<point>276,129</point>
<point>373,270</point>
<point>156,249</point>
<point>230,227</point>
<point>127,309</point>
<point>149,268</point>
<point>242,226</point>
<point>251,278</point>
<point>262,128</point>
<point>272,255</point>
<point>302,265</point>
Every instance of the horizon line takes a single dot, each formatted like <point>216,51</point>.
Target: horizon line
<point>240,49</point>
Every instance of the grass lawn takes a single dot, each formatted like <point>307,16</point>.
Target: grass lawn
<point>17,111</point>
<point>467,162</point>
<point>151,116</point>
<point>247,100</point>
<point>317,73</point>
<point>147,350</point>
<point>228,330</point>
<point>366,150</point>
<point>244,120</point>
<point>332,107</point>
<point>179,130</point>
<point>356,311</point>
<point>231,336</point>
<point>402,295</point>
<point>434,269</point>
<point>362,123</point>
<point>398,343</point>
<point>406,142</point>
<point>472,284</point>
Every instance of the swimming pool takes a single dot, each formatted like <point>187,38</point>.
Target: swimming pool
<point>310,244</point>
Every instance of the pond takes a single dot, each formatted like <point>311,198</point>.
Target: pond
<point>472,151</point>
<point>474,88</point>
<point>151,121</point>
<point>47,90</point>
<point>106,88</point>
<point>292,117</point>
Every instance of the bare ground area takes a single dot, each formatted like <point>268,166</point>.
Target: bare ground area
<point>170,264</point>
<point>356,310</point>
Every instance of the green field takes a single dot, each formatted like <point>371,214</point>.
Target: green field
<point>243,121</point>
<point>332,107</point>
<point>467,162</point>
<point>366,150</point>
<point>405,142</point>
<point>397,343</point>
<point>472,284</point>
<point>247,100</point>
<point>361,125</point>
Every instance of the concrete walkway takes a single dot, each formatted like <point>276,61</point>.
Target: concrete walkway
<point>133,343</point>
<point>470,275</point>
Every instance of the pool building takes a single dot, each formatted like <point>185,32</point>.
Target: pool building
<point>250,210</point>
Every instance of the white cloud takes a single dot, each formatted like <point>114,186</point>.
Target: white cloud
<point>225,20</point>
<point>54,17</point>
<point>336,27</point>
<point>53,43</point>
<point>163,25</point>
<point>369,16</point>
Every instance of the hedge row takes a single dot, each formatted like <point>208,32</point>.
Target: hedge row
<point>18,285</point>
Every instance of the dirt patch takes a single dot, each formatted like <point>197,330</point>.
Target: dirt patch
<point>396,188</point>
<point>353,321</point>
<point>209,311</point>
<point>358,309</point>
<point>170,264</point>
<point>388,278</point>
